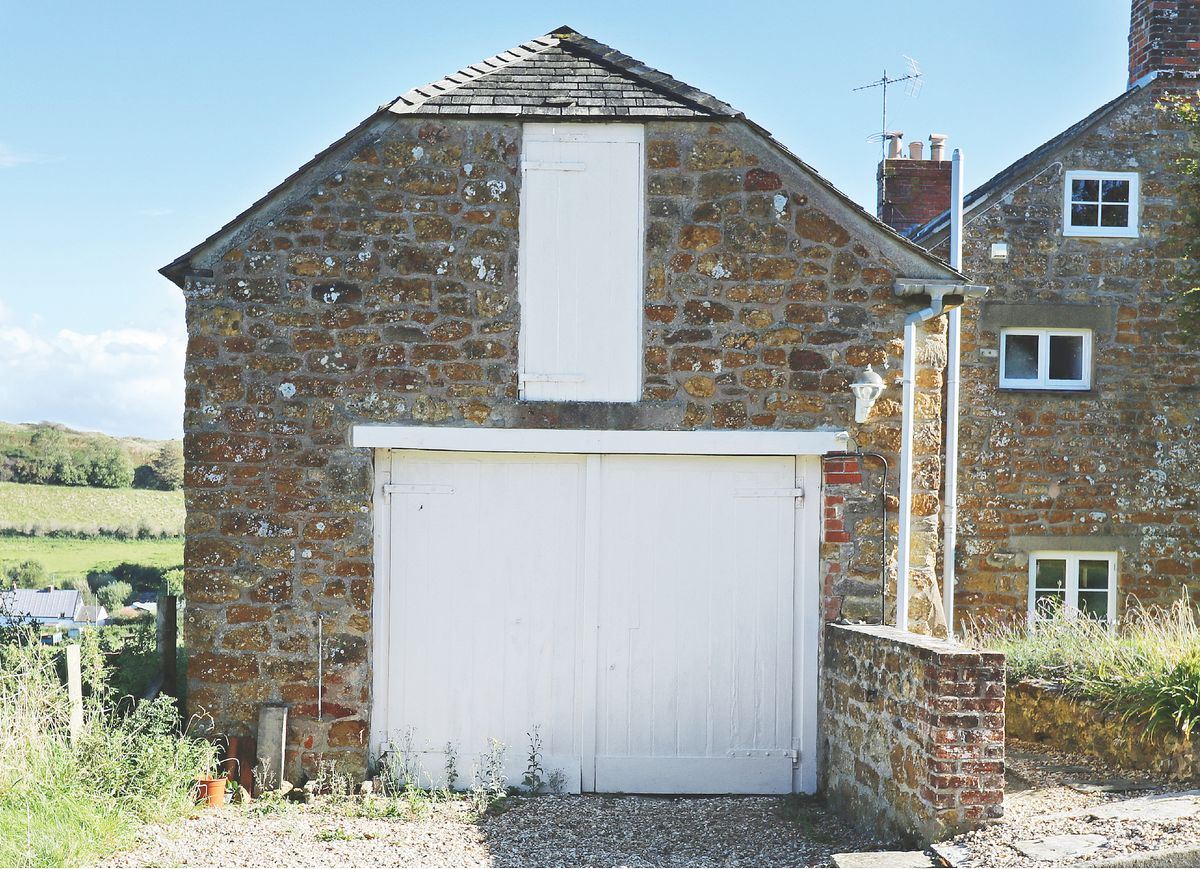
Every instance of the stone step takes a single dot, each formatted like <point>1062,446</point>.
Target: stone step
<point>883,860</point>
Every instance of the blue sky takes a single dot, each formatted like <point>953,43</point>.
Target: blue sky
<point>130,131</point>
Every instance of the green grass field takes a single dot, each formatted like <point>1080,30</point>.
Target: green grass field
<point>69,557</point>
<point>30,508</point>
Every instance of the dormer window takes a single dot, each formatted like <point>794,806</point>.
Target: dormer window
<point>1101,204</point>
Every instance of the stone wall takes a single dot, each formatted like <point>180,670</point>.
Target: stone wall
<point>1039,712</point>
<point>911,732</point>
<point>1113,468</point>
<point>384,290</point>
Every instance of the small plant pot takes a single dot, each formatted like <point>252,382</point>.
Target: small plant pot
<point>211,791</point>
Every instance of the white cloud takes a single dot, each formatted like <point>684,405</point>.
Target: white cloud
<point>10,158</point>
<point>120,381</point>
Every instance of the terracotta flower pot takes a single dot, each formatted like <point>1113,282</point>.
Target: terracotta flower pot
<point>211,791</point>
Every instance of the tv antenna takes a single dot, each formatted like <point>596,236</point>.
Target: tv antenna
<point>914,80</point>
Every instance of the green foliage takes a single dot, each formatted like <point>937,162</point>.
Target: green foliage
<point>114,595</point>
<point>1147,667</point>
<point>172,582</point>
<point>168,465</point>
<point>26,574</point>
<point>64,804</point>
<point>1186,112</point>
<point>62,510</point>
<point>109,468</point>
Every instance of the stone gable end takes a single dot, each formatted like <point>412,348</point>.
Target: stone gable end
<point>386,292</point>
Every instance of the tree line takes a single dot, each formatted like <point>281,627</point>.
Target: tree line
<point>51,460</point>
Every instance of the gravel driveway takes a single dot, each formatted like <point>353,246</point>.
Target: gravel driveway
<point>542,831</point>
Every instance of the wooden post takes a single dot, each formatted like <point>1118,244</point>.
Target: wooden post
<point>167,640</point>
<point>75,691</point>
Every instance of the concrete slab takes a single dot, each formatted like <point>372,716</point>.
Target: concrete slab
<point>883,860</point>
<point>1159,807</point>
<point>1166,857</point>
<point>1052,849</point>
<point>951,854</point>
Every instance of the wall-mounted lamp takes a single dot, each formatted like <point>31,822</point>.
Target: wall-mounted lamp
<point>867,390</point>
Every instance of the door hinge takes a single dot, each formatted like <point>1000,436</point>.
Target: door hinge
<point>797,493</point>
<point>794,754</point>
<point>416,489</point>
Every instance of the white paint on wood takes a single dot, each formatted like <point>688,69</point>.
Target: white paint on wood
<point>658,625</point>
<point>602,441</point>
<point>580,262</point>
<point>74,691</point>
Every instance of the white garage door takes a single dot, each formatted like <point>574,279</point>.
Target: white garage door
<point>644,612</point>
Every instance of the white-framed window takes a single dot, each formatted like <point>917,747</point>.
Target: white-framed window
<point>1075,583</point>
<point>1045,358</point>
<point>1103,204</point>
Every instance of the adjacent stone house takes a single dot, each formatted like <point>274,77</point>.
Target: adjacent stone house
<point>1078,482</point>
<point>509,410</point>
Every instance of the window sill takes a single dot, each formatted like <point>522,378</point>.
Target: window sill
<point>1048,390</point>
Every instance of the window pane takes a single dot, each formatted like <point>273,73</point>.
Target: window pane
<point>1050,573</point>
<point>1046,604</point>
<point>1094,604</point>
<point>1115,191</point>
<point>1066,357</point>
<point>1085,190</point>
<point>1085,215</point>
<point>1021,357</point>
<point>1093,575</point>
<point>1114,215</point>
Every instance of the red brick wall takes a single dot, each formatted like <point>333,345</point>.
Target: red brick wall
<point>912,192</point>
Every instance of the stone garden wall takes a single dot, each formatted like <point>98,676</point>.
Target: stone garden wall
<point>1039,712</point>
<point>911,732</point>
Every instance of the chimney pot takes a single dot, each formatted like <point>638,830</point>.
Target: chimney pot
<point>916,150</point>
<point>895,146</point>
<point>937,146</point>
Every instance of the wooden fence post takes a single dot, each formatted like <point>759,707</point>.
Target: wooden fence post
<point>75,691</point>
<point>168,632</point>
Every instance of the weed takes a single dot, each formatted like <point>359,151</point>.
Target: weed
<point>535,775</point>
<point>490,794</point>
<point>451,767</point>
<point>336,834</point>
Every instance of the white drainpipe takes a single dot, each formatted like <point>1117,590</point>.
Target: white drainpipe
<point>953,365</point>
<point>903,554</point>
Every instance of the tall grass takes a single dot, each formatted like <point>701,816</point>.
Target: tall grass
<point>64,804</point>
<point>1147,667</point>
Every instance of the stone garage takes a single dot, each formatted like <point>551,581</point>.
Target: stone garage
<point>509,409</point>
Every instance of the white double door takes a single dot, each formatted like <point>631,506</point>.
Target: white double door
<point>641,611</point>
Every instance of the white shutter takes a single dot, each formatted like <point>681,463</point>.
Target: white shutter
<point>582,209</point>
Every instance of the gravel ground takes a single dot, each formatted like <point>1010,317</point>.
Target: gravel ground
<point>1048,794</point>
<point>543,831</point>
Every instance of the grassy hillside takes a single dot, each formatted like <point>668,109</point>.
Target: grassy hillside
<point>67,557</point>
<point>30,509</point>
<point>15,438</point>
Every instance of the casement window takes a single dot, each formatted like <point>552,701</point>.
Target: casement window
<point>1046,358</point>
<point>1073,583</point>
<point>1103,204</point>
<point>580,262</point>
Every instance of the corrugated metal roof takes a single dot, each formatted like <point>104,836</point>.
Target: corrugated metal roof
<point>562,74</point>
<point>40,604</point>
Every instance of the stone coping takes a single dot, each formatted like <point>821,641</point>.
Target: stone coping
<point>922,644</point>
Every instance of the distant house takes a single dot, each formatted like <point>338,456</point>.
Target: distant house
<point>94,616</point>
<point>47,606</point>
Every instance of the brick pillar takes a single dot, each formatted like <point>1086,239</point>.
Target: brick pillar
<point>911,191</point>
<point>1164,39</point>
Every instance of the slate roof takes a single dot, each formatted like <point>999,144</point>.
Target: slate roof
<point>562,74</point>
<point>1005,178</point>
<point>40,604</point>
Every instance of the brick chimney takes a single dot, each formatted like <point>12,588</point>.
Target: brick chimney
<point>1164,39</point>
<point>912,190</point>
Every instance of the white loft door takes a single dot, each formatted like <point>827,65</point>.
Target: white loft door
<point>580,281</point>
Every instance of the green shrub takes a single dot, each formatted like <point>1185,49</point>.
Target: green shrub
<point>27,574</point>
<point>1146,668</point>
<point>110,468</point>
<point>64,804</point>
<point>114,595</point>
